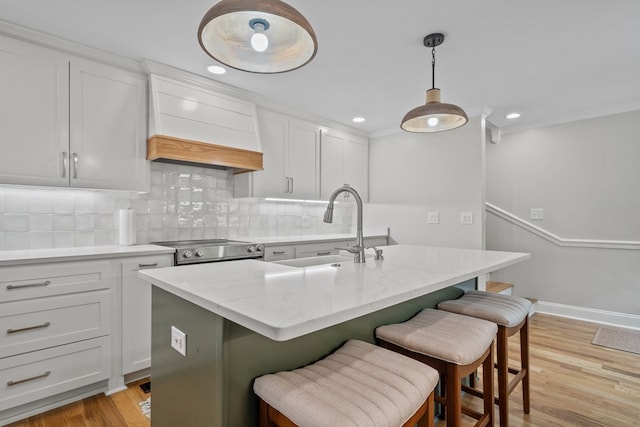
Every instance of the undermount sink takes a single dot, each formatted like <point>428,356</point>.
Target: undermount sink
<point>316,260</point>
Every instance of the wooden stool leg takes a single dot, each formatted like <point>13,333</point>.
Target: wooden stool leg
<point>453,396</point>
<point>487,385</point>
<point>503,376</point>
<point>524,357</point>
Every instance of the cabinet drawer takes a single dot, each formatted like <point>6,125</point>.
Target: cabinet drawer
<point>46,322</point>
<point>278,253</point>
<point>317,252</point>
<point>39,374</point>
<point>319,249</point>
<point>41,280</point>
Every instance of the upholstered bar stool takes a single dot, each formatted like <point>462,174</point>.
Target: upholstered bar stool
<point>454,345</point>
<point>359,385</point>
<point>511,314</point>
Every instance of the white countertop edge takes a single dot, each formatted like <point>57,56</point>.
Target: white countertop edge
<point>33,256</point>
<point>285,333</point>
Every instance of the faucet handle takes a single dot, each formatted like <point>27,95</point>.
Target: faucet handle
<point>351,249</point>
<point>378,253</point>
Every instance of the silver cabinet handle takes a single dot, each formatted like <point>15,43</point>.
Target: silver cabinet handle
<point>28,328</point>
<point>75,165</point>
<point>153,264</point>
<point>46,374</point>
<point>65,161</point>
<point>29,285</point>
<point>323,253</point>
<point>277,252</point>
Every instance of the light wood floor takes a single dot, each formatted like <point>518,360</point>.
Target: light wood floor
<point>573,383</point>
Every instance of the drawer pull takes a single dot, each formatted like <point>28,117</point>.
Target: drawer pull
<point>153,264</point>
<point>28,328</point>
<point>46,374</point>
<point>323,253</point>
<point>278,252</point>
<point>29,285</point>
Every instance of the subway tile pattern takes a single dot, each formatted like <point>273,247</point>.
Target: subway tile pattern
<point>184,202</point>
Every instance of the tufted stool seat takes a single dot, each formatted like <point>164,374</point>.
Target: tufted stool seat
<point>454,345</point>
<point>511,314</point>
<point>359,385</point>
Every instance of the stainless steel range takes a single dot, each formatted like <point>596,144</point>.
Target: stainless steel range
<point>199,251</point>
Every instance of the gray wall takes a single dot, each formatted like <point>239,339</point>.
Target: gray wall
<point>413,174</point>
<point>586,177</point>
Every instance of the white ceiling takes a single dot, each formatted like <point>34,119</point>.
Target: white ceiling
<point>550,60</point>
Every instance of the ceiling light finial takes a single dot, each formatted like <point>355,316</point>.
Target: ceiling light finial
<point>259,36</point>
<point>434,116</point>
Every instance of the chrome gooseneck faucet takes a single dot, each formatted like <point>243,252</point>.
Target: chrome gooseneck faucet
<point>358,249</point>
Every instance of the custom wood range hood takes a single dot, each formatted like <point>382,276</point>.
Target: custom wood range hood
<point>190,123</point>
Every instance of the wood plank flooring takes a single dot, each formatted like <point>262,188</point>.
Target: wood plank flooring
<point>573,383</point>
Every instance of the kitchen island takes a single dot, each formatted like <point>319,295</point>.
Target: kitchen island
<point>246,318</point>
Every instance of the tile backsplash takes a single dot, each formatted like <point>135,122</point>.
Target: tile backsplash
<point>184,203</point>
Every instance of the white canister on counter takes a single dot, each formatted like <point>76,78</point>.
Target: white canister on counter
<point>127,227</point>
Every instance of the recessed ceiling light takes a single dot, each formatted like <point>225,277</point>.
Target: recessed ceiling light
<point>513,116</point>
<point>358,119</point>
<point>216,69</point>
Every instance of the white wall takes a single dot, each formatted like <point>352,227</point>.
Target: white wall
<point>586,177</point>
<point>412,174</point>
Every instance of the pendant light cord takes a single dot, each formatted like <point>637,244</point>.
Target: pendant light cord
<point>433,67</point>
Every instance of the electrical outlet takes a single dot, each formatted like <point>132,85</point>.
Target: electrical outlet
<point>537,213</point>
<point>178,341</point>
<point>433,218</point>
<point>466,218</point>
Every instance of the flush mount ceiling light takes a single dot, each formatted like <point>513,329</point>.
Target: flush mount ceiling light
<point>434,116</point>
<point>259,36</point>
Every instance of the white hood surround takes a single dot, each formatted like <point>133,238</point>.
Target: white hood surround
<point>192,121</point>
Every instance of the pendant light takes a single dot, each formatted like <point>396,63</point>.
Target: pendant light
<point>434,116</point>
<point>259,36</point>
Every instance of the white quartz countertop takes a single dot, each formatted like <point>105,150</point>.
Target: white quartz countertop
<point>282,302</point>
<point>32,256</point>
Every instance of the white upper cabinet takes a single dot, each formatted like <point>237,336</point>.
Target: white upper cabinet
<point>70,122</point>
<point>344,159</point>
<point>290,160</point>
<point>302,160</point>
<point>108,127</point>
<point>34,114</point>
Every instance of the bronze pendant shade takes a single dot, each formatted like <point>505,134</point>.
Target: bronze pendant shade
<point>258,36</point>
<point>433,116</point>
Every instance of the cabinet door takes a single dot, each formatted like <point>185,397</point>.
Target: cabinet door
<point>270,182</point>
<point>344,160</point>
<point>356,164</point>
<point>302,156</point>
<point>136,312</point>
<point>34,114</point>
<point>331,164</point>
<point>108,127</point>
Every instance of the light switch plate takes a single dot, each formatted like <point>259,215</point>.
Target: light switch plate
<point>537,213</point>
<point>178,341</point>
<point>433,218</point>
<point>466,218</point>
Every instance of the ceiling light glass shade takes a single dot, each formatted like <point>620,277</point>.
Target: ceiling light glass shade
<point>434,116</point>
<point>226,31</point>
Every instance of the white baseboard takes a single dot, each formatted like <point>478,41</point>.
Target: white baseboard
<point>612,318</point>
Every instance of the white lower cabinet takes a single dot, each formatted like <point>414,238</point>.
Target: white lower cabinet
<point>56,320</point>
<point>136,312</point>
<point>275,252</point>
<point>36,375</point>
